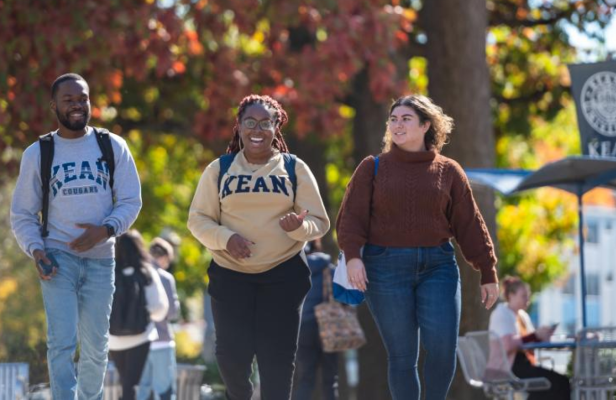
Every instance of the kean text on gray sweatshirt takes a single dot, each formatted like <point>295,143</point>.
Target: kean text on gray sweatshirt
<point>79,193</point>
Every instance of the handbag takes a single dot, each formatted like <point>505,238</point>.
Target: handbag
<point>344,292</point>
<point>339,328</point>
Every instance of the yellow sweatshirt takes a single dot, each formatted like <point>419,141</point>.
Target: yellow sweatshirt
<point>251,200</point>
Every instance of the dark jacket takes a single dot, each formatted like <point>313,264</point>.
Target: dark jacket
<point>317,263</point>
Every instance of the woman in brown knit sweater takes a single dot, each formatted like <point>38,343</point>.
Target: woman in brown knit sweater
<point>402,208</point>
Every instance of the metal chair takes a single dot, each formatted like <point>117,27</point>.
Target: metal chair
<point>594,373</point>
<point>112,388</point>
<point>189,381</point>
<point>485,366</point>
<point>14,379</point>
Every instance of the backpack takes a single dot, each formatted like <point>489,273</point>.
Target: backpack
<point>47,149</point>
<point>289,165</point>
<point>129,313</point>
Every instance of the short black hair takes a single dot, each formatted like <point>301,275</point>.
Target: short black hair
<point>71,76</point>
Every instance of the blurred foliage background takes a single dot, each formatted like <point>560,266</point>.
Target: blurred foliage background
<point>167,75</point>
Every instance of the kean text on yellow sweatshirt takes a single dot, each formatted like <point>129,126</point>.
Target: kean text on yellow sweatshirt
<point>251,200</point>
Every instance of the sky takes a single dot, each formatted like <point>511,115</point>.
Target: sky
<point>583,42</point>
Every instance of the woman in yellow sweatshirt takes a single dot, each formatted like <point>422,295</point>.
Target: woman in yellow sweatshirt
<point>255,218</point>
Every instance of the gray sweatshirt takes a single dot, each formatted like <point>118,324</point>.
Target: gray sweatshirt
<point>79,193</point>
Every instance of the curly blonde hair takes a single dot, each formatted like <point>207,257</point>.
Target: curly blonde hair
<point>441,124</point>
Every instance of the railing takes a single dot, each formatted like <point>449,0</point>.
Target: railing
<point>595,364</point>
<point>14,378</point>
<point>14,383</point>
<point>189,381</point>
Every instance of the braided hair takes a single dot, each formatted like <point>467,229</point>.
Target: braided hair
<point>280,118</point>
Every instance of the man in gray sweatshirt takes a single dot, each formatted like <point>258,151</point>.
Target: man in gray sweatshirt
<point>85,214</point>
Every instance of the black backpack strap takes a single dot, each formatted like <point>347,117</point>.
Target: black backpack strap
<point>46,145</point>
<point>225,162</point>
<point>289,164</point>
<point>103,139</point>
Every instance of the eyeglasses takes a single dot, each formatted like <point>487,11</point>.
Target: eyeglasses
<point>265,125</point>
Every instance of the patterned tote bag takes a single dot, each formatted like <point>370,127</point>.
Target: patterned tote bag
<point>339,327</point>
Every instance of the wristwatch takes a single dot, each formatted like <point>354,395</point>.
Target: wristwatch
<point>110,230</point>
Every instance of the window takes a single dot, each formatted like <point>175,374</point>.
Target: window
<point>593,284</point>
<point>592,232</point>
<point>570,285</point>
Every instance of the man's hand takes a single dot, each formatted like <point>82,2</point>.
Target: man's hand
<point>38,256</point>
<point>93,235</point>
<point>238,247</point>
<point>292,221</point>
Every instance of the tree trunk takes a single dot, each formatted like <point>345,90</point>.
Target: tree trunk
<point>312,151</point>
<point>369,121</point>
<point>459,82</point>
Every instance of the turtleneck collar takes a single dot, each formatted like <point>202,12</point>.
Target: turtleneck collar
<point>412,156</point>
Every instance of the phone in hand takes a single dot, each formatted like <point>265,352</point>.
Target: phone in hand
<point>48,268</point>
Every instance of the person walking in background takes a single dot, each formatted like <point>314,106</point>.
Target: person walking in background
<point>403,208</point>
<point>140,300</point>
<point>254,209</point>
<point>512,324</point>
<point>90,193</point>
<point>310,355</point>
<point>159,375</point>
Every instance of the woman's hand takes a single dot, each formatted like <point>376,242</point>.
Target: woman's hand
<point>356,272</point>
<point>238,247</point>
<point>292,221</point>
<point>489,294</point>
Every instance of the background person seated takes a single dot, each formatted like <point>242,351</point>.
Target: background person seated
<point>511,322</point>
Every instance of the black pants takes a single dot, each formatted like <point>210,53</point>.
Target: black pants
<point>258,315</point>
<point>560,390</point>
<point>310,357</point>
<point>129,364</point>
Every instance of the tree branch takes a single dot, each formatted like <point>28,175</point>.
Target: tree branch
<point>498,16</point>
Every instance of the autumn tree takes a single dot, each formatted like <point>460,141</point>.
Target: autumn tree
<point>168,78</point>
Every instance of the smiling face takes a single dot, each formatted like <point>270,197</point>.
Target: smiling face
<point>72,105</point>
<point>406,129</point>
<point>257,129</point>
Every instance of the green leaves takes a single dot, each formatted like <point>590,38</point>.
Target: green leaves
<point>169,168</point>
<point>536,229</point>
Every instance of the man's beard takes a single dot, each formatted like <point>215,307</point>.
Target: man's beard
<point>73,126</point>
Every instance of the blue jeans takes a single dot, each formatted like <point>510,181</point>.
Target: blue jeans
<point>159,375</point>
<point>310,359</point>
<point>78,303</point>
<point>415,292</point>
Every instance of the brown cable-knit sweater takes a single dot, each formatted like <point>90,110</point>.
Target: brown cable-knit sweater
<point>420,199</point>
